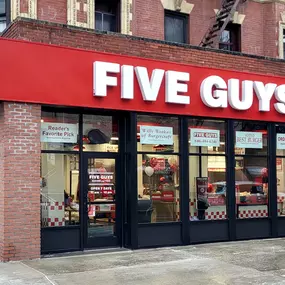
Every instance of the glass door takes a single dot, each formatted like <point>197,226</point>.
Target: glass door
<point>101,201</point>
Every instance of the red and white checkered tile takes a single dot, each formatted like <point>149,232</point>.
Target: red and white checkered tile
<point>56,222</point>
<point>280,199</point>
<point>177,204</point>
<point>251,213</point>
<point>52,214</point>
<point>213,213</point>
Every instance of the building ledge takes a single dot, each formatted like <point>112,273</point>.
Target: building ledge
<point>38,25</point>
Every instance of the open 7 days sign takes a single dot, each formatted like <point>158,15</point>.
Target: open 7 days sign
<point>215,92</point>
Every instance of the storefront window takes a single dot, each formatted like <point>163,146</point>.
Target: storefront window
<point>251,170</point>
<point>59,131</point>
<point>100,133</point>
<point>208,190</point>
<point>280,168</point>
<point>59,189</point>
<point>158,169</point>
<point>207,170</point>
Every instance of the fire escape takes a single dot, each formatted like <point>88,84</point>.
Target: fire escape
<point>223,17</point>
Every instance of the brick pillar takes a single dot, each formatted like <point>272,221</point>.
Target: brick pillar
<point>19,181</point>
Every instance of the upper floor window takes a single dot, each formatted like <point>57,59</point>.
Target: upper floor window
<point>2,15</point>
<point>230,38</point>
<point>106,15</point>
<point>175,27</point>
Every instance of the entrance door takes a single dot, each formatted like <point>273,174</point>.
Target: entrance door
<point>102,201</point>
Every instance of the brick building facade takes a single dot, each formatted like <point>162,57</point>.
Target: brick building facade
<point>141,32</point>
<point>261,22</point>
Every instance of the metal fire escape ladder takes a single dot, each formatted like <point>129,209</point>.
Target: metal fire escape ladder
<point>223,17</point>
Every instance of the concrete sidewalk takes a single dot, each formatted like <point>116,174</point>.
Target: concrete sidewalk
<point>236,263</point>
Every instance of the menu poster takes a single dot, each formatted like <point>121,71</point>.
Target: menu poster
<point>156,135</point>
<point>249,140</point>
<point>202,189</point>
<point>101,183</point>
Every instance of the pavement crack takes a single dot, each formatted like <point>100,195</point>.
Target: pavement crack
<point>41,273</point>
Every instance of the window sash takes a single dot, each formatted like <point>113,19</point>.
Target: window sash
<point>176,33</point>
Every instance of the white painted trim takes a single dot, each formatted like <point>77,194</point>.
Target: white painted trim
<point>186,7</point>
<point>126,16</point>
<point>15,10</point>
<point>73,6</point>
<point>280,40</point>
<point>237,17</point>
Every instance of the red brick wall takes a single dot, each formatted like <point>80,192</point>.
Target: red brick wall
<point>201,18</point>
<point>258,31</point>
<point>280,8</point>
<point>79,38</point>
<point>19,181</point>
<point>148,19</point>
<point>252,28</point>
<point>270,28</point>
<point>52,10</point>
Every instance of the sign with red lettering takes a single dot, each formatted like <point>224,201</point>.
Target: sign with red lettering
<point>58,133</point>
<point>280,140</point>
<point>203,137</point>
<point>217,200</point>
<point>249,140</point>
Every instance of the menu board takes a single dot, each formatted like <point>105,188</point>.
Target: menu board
<point>101,183</point>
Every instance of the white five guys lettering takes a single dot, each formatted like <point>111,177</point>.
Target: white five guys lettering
<point>215,92</point>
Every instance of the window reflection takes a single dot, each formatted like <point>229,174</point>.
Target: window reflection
<point>100,133</point>
<point>208,191</point>
<point>251,170</point>
<point>175,25</point>
<point>59,190</point>
<point>158,169</point>
<point>158,188</point>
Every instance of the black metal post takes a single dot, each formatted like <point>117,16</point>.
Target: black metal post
<point>184,179</point>
<point>131,179</point>
<point>230,177</point>
<point>82,176</point>
<point>272,176</point>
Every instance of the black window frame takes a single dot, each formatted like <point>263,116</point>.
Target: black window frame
<point>5,17</point>
<point>283,42</point>
<point>234,43</point>
<point>178,15</point>
<point>116,15</point>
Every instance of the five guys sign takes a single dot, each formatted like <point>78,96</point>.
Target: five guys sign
<point>215,92</point>
<point>52,75</point>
